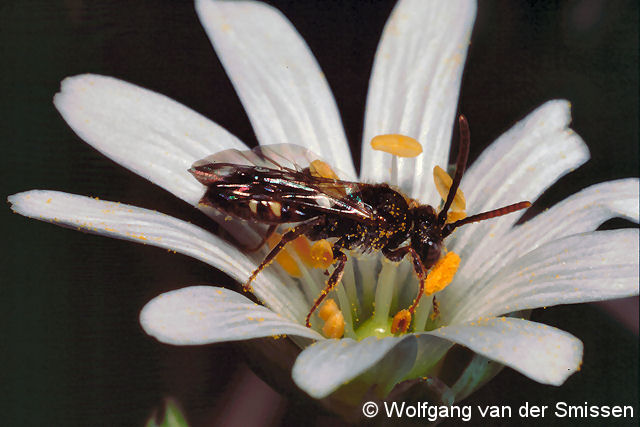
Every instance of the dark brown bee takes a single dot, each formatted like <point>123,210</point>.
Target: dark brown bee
<point>267,185</point>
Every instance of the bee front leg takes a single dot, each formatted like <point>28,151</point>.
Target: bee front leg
<point>340,258</point>
<point>290,235</point>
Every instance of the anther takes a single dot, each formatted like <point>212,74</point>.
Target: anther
<point>322,254</point>
<point>398,145</point>
<point>443,183</point>
<point>321,169</point>
<point>327,309</point>
<point>303,248</point>
<point>333,318</point>
<point>441,274</point>
<point>284,258</point>
<point>401,322</point>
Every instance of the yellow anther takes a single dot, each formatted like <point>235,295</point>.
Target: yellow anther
<point>322,254</point>
<point>443,183</point>
<point>401,322</point>
<point>284,258</point>
<point>442,273</point>
<point>328,308</point>
<point>453,216</point>
<point>302,246</point>
<point>398,145</point>
<point>321,169</point>
<point>334,326</point>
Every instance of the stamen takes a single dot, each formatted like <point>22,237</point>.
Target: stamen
<point>334,327</point>
<point>327,309</point>
<point>322,254</point>
<point>441,274</point>
<point>302,246</point>
<point>401,321</point>
<point>284,258</point>
<point>453,216</point>
<point>398,145</point>
<point>334,321</point>
<point>443,183</point>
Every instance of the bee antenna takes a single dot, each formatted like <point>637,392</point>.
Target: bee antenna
<point>461,164</point>
<point>448,229</point>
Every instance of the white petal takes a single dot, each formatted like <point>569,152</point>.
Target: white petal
<point>205,314</point>
<point>149,227</point>
<point>542,353</point>
<point>518,166</point>
<point>585,267</point>
<point>414,88</point>
<point>326,365</point>
<point>582,212</point>
<point>276,77</point>
<point>146,132</point>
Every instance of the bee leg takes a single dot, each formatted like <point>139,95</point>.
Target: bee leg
<point>340,258</point>
<point>397,255</point>
<point>436,308</point>
<point>290,235</point>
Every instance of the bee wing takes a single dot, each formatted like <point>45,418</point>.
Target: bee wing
<point>281,173</point>
<point>276,156</point>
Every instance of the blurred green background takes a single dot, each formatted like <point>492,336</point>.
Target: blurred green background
<point>73,352</point>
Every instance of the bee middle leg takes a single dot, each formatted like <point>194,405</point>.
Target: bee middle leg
<point>340,258</point>
<point>290,235</point>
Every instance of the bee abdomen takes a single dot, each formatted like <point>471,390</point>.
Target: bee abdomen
<point>252,209</point>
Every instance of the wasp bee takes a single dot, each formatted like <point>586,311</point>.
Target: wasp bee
<point>279,184</point>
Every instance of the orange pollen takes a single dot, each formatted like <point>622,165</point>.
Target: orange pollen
<point>302,246</point>
<point>401,322</point>
<point>284,258</point>
<point>322,254</point>
<point>328,308</point>
<point>321,169</point>
<point>333,318</point>
<point>441,274</point>
<point>398,145</point>
<point>443,183</point>
<point>453,216</point>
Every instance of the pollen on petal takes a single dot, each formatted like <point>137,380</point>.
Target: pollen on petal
<point>284,258</point>
<point>398,145</point>
<point>322,254</point>
<point>442,273</point>
<point>443,183</point>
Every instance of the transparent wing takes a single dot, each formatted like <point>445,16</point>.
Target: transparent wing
<point>281,173</point>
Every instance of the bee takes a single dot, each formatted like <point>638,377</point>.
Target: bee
<point>281,184</point>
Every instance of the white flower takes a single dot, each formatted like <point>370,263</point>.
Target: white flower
<point>413,91</point>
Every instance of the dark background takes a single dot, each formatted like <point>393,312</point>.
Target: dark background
<point>73,352</point>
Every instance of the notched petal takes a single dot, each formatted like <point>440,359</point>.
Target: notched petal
<point>205,314</point>
<point>542,353</point>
